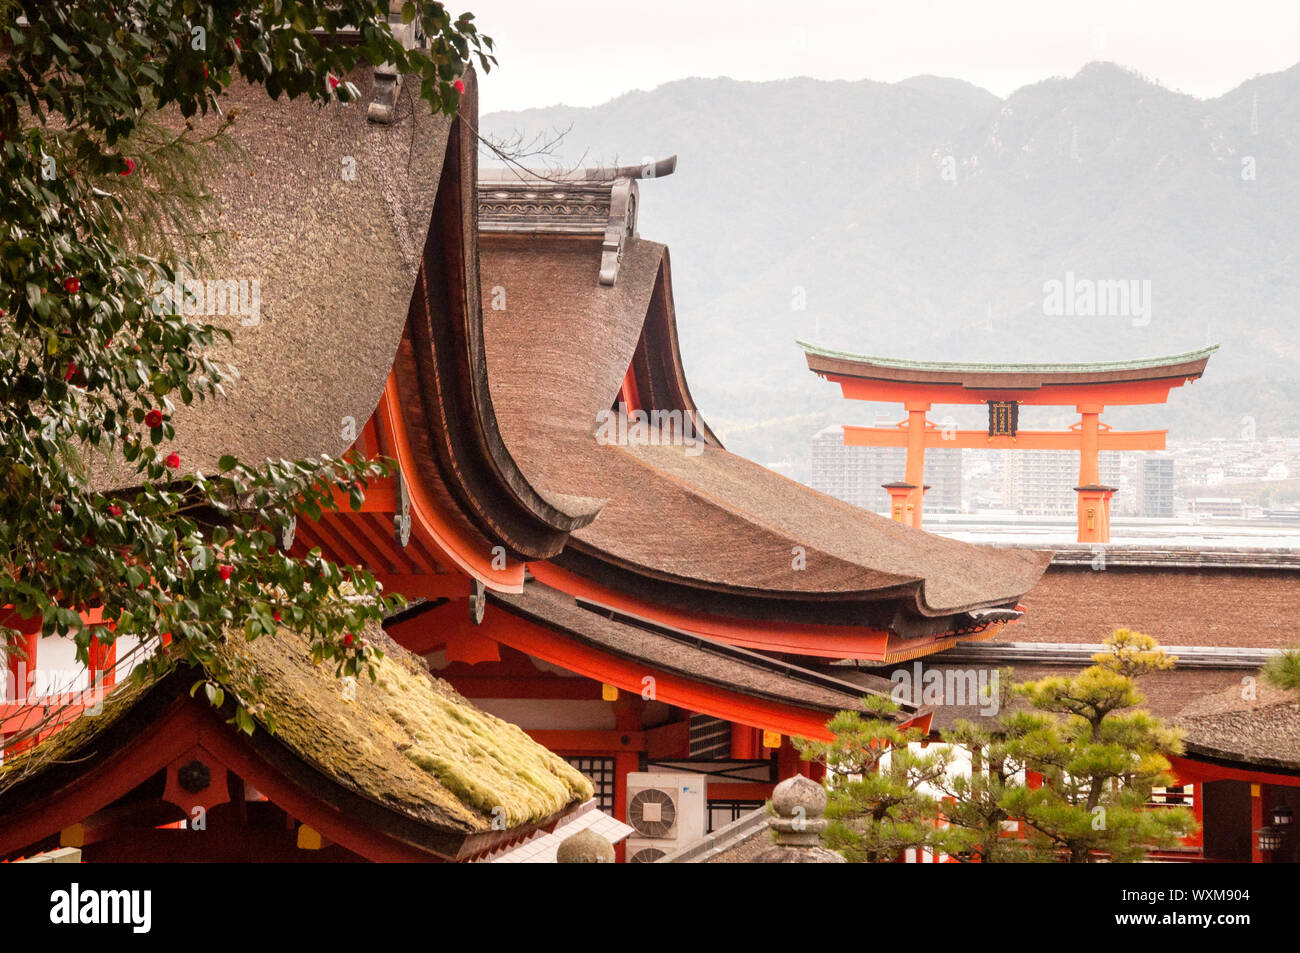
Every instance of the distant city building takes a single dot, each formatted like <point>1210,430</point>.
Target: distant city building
<point>1223,506</point>
<point>1042,482</point>
<point>856,474</point>
<point>1153,487</point>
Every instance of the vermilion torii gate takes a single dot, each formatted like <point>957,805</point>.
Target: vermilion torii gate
<point>918,385</point>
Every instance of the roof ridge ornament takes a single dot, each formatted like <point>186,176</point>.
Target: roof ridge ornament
<point>388,83</point>
<point>624,198</point>
<point>602,201</point>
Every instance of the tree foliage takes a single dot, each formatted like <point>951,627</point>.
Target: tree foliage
<point>89,367</point>
<point>1283,671</point>
<point>878,801</point>
<point>1064,773</point>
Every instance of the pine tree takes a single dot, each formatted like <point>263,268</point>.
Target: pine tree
<point>1099,755</point>
<point>881,798</point>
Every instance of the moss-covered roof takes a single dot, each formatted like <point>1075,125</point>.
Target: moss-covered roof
<point>407,741</point>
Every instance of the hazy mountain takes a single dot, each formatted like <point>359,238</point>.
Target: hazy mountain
<point>923,218</point>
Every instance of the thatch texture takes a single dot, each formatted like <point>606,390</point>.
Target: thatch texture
<point>1176,605</point>
<point>556,357</point>
<point>406,741</point>
<point>698,659</point>
<point>1261,730</point>
<point>335,259</point>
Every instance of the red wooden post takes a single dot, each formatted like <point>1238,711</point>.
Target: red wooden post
<point>1256,822</point>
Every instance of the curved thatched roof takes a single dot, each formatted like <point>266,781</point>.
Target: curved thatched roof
<point>706,520</point>
<point>334,255</point>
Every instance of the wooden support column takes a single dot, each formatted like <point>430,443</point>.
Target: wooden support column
<point>1089,443</point>
<point>900,495</point>
<point>914,473</point>
<point>787,760</point>
<point>1094,498</point>
<point>1256,822</point>
<point>628,709</point>
<point>744,742</point>
<point>1198,813</point>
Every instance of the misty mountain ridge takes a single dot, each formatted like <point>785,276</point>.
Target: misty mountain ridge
<point>930,219</point>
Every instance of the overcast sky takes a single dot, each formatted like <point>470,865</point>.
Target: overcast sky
<point>584,52</point>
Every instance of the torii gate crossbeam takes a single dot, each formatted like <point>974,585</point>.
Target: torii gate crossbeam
<point>1004,388</point>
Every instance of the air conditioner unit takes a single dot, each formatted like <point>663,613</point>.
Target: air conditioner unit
<point>667,811</point>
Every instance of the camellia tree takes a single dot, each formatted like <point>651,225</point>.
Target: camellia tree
<point>88,368</point>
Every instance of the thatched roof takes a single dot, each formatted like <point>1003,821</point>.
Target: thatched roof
<point>1263,730</point>
<point>406,741</point>
<point>706,520</point>
<point>335,259</point>
<point>701,660</point>
<point>1187,598</point>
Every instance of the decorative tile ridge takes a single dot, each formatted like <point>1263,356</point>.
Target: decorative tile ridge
<point>597,202</point>
<point>1172,557</point>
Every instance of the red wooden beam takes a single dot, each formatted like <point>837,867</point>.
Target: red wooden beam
<point>460,548</point>
<point>380,497</point>
<point>585,742</point>
<point>1049,395</point>
<point>378,531</point>
<point>1188,769</point>
<point>827,641</point>
<point>670,688</point>
<point>555,687</point>
<point>426,585</point>
<point>938,439</point>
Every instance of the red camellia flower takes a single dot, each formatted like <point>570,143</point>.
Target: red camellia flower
<point>460,85</point>
<point>334,82</point>
<point>153,419</point>
<point>173,460</point>
<point>349,639</point>
<point>115,510</point>
<point>130,167</point>
<point>224,571</point>
<point>276,615</point>
<point>71,285</point>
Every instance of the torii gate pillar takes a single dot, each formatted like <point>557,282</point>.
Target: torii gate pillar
<point>1094,499</point>
<point>1004,388</point>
